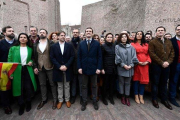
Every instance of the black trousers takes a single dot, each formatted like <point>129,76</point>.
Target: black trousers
<point>93,79</point>
<point>108,85</point>
<point>27,90</point>
<point>5,98</point>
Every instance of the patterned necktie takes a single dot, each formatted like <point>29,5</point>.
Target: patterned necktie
<point>88,45</point>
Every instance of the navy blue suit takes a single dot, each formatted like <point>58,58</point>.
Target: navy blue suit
<point>174,70</point>
<point>89,61</point>
<point>58,59</point>
<point>4,49</point>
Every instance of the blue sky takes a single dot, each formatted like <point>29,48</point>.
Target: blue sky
<point>71,10</point>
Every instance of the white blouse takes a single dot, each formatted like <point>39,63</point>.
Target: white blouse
<point>24,54</point>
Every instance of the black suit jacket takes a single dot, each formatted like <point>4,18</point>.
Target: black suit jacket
<point>58,59</point>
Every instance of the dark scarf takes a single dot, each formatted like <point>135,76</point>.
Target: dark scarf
<point>75,42</point>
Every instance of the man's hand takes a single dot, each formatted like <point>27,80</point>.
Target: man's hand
<point>102,71</point>
<point>11,77</point>
<point>36,71</point>
<point>98,71</point>
<point>165,64</point>
<point>80,71</point>
<point>63,68</point>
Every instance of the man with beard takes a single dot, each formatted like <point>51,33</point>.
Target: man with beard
<point>75,41</point>
<point>44,68</point>
<point>5,45</point>
<point>34,37</point>
<point>62,56</point>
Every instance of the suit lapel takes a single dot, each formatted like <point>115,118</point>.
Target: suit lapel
<point>28,55</point>
<point>58,48</point>
<point>18,54</point>
<point>92,43</point>
<point>65,47</point>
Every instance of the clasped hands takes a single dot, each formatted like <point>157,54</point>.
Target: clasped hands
<point>165,64</point>
<point>143,63</point>
<point>127,67</point>
<point>97,71</point>
<point>63,68</point>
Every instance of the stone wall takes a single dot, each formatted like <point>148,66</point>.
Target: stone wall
<point>21,13</point>
<point>132,15</point>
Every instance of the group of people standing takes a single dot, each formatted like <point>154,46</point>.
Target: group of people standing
<point>84,62</point>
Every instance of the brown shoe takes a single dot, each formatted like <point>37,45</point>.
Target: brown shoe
<point>59,105</point>
<point>68,104</point>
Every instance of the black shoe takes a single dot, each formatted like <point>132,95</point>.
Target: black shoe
<point>155,103</point>
<point>54,105</point>
<point>166,104</point>
<point>95,105</point>
<point>28,106</point>
<point>81,100</point>
<point>173,101</point>
<point>7,110</point>
<point>111,100</point>
<point>83,107</point>
<point>21,109</point>
<point>73,99</point>
<point>105,101</point>
<point>41,104</point>
<point>118,95</point>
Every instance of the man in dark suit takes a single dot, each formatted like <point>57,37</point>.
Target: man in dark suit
<point>5,45</point>
<point>75,42</point>
<point>62,56</point>
<point>175,67</point>
<point>89,64</point>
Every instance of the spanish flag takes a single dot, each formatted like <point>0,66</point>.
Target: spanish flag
<point>6,69</point>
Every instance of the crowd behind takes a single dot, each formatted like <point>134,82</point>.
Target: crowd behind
<point>90,65</point>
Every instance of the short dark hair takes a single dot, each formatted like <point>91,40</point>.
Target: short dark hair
<point>44,30</point>
<point>75,29</point>
<point>147,34</point>
<point>177,26</point>
<point>33,27</point>
<point>116,34</point>
<point>168,34</point>
<point>149,31</point>
<point>89,28</point>
<point>161,27</point>
<point>61,32</point>
<point>1,36</point>
<point>5,28</point>
<point>120,37</point>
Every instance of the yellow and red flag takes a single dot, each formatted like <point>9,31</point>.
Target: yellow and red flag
<point>6,69</point>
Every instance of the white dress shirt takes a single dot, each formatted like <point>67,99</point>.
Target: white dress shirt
<point>177,38</point>
<point>62,47</point>
<point>42,46</point>
<point>23,54</point>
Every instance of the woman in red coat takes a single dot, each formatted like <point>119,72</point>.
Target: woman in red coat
<point>141,71</point>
